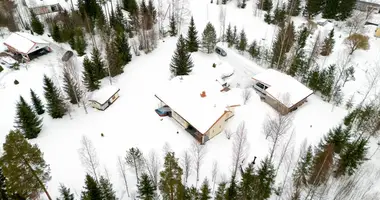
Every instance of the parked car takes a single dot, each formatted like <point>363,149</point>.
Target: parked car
<point>220,51</point>
<point>164,111</point>
<point>7,62</point>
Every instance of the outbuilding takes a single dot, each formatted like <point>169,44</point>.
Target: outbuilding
<point>101,99</point>
<point>26,46</point>
<point>281,91</point>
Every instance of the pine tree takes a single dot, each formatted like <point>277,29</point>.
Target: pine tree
<point>106,189</point>
<point>3,186</point>
<point>71,88</point>
<point>254,50</point>
<point>232,191</point>
<point>303,169</point>
<point>146,189</point>
<point>221,191</point>
<point>55,103</point>
<point>205,192</point>
<point>351,157</point>
<point>242,44</point>
<point>37,103</point>
<point>123,48</point>
<point>282,45</point>
<point>182,63</point>
<point>36,24</point>
<point>90,79</point>
<point>192,38</point>
<point>26,120</point>
<point>328,44</point>
<point>265,180</point>
<point>91,190</point>
<point>209,38</point>
<point>345,9</point>
<point>330,9</point>
<point>170,178</point>
<point>65,193</point>
<point>229,38</point>
<point>56,33</point>
<point>97,64</point>
<point>247,183</point>
<point>314,7</point>
<point>135,160</point>
<point>173,26</point>
<point>294,7</point>
<point>23,166</point>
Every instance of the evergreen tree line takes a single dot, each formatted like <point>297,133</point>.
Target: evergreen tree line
<point>330,9</point>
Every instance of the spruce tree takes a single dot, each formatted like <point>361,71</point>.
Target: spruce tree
<point>282,45</point>
<point>294,7</point>
<point>106,189</point>
<point>36,24</point>
<point>265,5</point>
<point>268,17</point>
<point>265,179</point>
<point>254,50</point>
<point>65,193</point>
<point>247,183</point>
<point>90,79</point>
<point>123,48</point>
<point>321,165</point>
<point>351,157</point>
<point>182,63</point>
<point>302,37</point>
<point>303,169</point>
<point>55,103</point>
<point>71,88</point>
<point>91,190</point>
<point>23,166</point>
<point>330,9</point>
<point>26,120</point>
<point>234,36</point>
<point>326,81</point>
<point>298,64</point>
<point>114,60</point>
<point>229,38</point>
<point>221,191</point>
<point>192,38</point>
<point>3,186</point>
<point>232,191</point>
<point>79,43</point>
<point>172,26</point>
<point>118,22</point>
<point>152,11</point>
<point>205,192</point>
<point>56,33</point>
<point>37,103</point>
<point>328,44</point>
<point>135,160</point>
<point>279,15</point>
<point>130,6</point>
<point>191,193</point>
<point>314,7</point>
<point>345,9</point>
<point>170,183</point>
<point>209,38</point>
<point>338,137</point>
<point>146,189</point>
<point>242,44</point>
<point>98,64</point>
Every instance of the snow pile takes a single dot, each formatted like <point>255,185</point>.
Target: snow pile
<point>283,87</point>
<point>103,94</point>
<point>183,95</point>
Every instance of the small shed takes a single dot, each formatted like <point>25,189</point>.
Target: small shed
<point>26,45</point>
<point>101,99</point>
<point>281,91</point>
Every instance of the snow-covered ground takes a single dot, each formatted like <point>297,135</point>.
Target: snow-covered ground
<point>132,122</point>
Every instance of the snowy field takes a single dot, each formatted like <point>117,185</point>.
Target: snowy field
<point>132,122</point>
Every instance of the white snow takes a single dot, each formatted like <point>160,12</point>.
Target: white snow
<point>283,87</point>
<point>24,42</point>
<point>103,94</point>
<point>183,95</point>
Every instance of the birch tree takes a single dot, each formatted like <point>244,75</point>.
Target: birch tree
<point>199,151</point>
<point>240,148</point>
<point>135,159</point>
<point>89,158</point>
<point>121,168</point>
<point>152,163</point>
<point>214,174</point>
<point>187,165</point>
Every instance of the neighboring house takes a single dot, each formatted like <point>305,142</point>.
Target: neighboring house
<point>101,99</point>
<point>27,45</point>
<point>281,91</point>
<point>368,6</point>
<point>40,7</point>
<point>377,32</point>
<point>200,105</point>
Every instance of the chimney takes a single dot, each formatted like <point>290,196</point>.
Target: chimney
<point>203,94</point>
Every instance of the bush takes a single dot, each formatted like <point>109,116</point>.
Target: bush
<point>16,66</point>
<point>357,41</point>
<point>213,65</point>
<point>16,82</point>
<point>1,69</point>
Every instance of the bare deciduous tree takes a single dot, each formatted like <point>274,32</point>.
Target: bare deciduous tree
<point>199,151</point>
<point>222,20</point>
<point>181,12</point>
<point>88,157</point>
<point>166,148</point>
<point>357,41</point>
<point>356,22</point>
<point>275,128</point>
<point>121,167</point>
<point>187,165</point>
<point>240,148</point>
<point>152,163</point>
<point>228,133</point>
<point>246,94</point>
<point>214,174</point>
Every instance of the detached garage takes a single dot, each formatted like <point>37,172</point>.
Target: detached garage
<point>26,46</point>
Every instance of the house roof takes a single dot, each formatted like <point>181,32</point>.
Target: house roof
<point>65,4</point>
<point>23,42</point>
<point>183,95</point>
<point>103,94</point>
<point>283,87</point>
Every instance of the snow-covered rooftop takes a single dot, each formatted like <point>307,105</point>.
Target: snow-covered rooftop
<point>23,42</point>
<point>283,87</point>
<point>103,94</point>
<point>183,95</point>
<point>65,4</point>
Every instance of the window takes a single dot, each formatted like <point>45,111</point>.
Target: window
<point>262,86</point>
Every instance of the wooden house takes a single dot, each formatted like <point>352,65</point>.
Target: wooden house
<point>101,99</point>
